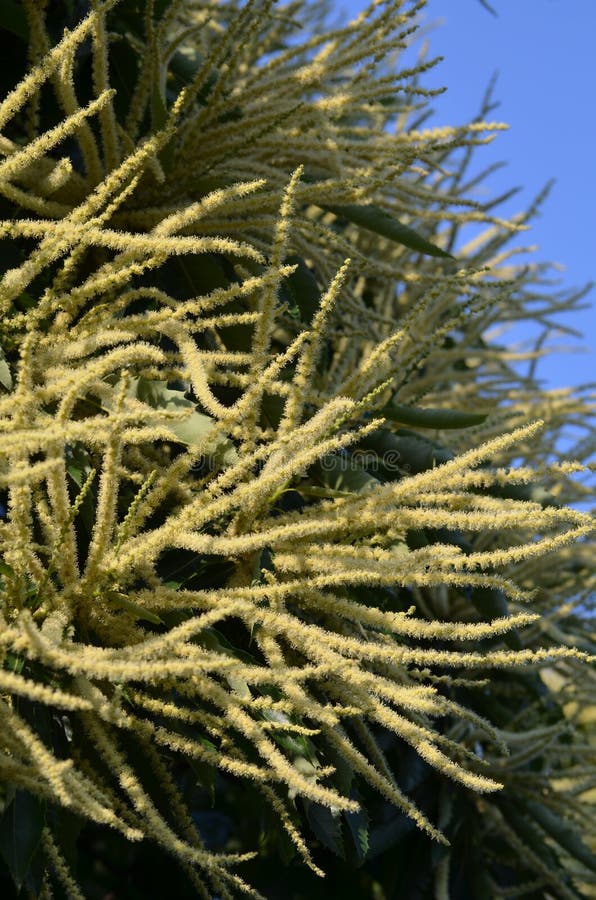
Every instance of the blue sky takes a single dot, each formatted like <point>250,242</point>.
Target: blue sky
<point>545,54</point>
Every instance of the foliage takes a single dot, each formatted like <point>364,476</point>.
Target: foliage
<point>288,543</point>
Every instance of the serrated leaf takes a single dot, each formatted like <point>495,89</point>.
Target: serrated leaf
<point>239,686</point>
<point>193,429</point>
<point>386,836</point>
<point>431,418</point>
<point>196,428</point>
<point>372,218</point>
<point>326,827</point>
<point>78,463</point>
<point>21,828</point>
<point>358,827</point>
<point>75,473</point>
<point>299,748</point>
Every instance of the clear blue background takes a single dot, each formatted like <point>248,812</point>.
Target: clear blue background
<point>545,54</point>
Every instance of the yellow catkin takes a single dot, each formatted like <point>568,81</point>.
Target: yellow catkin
<point>145,280</point>
<point>60,867</point>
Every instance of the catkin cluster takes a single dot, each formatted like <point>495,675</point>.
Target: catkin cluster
<point>271,493</point>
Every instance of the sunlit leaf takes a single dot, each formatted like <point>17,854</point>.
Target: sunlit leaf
<point>326,826</point>
<point>5,375</point>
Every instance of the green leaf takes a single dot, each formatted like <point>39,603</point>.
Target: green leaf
<point>263,562</point>
<point>481,884</point>
<point>343,776</point>
<point>205,772</point>
<point>193,430</point>
<point>326,827</point>
<point>124,69</point>
<point>159,114</point>
<point>302,288</point>
<point>342,473</point>
<point>528,833</point>
<point>372,218</point>
<point>13,18</point>
<point>405,451</point>
<point>5,376</point>
<point>78,463</point>
<point>186,65</point>
<point>491,602</point>
<point>239,686</point>
<point>387,835</point>
<point>6,570</point>
<point>160,8</point>
<point>213,639</point>
<point>562,832</point>
<point>358,829</point>
<point>431,418</point>
<point>66,828</point>
<point>532,492</point>
<point>159,110</point>
<point>7,795</point>
<point>297,746</point>
<point>14,663</point>
<point>21,828</point>
<point>135,609</point>
<point>272,410</point>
